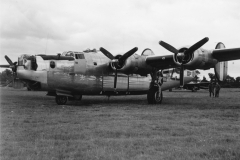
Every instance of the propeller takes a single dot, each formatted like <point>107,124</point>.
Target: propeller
<point>5,66</point>
<point>11,64</point>
<point>106,53</point>
<point>118,60</point>
<point>183,55</point>
<point>168,47</point>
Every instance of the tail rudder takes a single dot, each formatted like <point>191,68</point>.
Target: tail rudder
<point>221,68</point>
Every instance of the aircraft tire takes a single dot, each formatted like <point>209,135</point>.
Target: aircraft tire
<point>61,100</point>
<point>154,96</point>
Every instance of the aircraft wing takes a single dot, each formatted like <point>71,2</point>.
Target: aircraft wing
<point>167,61</point>
<point>226,54</point>
<point>161,62</point>
<point>201,85</point>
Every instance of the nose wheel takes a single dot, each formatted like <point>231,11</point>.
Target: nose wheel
<point>61,100</point>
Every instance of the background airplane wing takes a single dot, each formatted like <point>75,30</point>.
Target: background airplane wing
<point>161,62</point>
<point>196,86</point>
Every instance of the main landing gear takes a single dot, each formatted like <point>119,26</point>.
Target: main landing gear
<point>154,95</point>
<point>62,100</point>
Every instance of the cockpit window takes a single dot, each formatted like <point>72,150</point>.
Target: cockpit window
<point>52,64</point>
<point>69,54</point>
<point>79,56</point>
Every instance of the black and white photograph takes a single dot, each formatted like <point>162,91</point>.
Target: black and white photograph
<point>119,80</point>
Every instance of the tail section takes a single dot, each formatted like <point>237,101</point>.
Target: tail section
<point>221,68</point>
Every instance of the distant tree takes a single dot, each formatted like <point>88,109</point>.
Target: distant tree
<point>204,79</point>
<point>211,75</point>
<point>230,79</point>
<point>229,82</point>
<point>237,80</point>
<point>6,76</point>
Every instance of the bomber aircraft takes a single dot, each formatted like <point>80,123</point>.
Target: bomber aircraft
<point>70,75</point>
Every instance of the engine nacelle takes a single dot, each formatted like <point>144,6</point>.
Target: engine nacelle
<point>199,59</point>
<point>135,64</point>
<point>28,61</point>
<point>202,59</point>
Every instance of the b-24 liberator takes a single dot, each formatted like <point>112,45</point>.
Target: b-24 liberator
<point>70,75</point>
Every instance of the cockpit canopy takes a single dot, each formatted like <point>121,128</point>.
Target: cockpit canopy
<point>69,53</point>
<point>76,55</point>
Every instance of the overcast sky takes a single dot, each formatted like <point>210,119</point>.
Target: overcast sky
<point>53,26</point>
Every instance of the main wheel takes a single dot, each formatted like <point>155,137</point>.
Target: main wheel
<point>154,96</point>
<point>61,100</point>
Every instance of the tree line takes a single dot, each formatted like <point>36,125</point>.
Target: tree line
<point>6,76</point>
<point>229,82</point>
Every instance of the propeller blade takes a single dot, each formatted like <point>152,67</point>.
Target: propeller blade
<point>197,45</point>
<point>115,79</point>
<point>168,47</point>
<point>106,53</point>
<point>182,76</point>
<point>9,60</point>
<point>5,66</point>
<point>128,54</point>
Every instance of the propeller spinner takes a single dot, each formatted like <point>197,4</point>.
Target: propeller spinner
<point>118,60</point>
<point>183,55</point>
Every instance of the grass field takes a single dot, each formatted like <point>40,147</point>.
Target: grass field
<point>187,126</point>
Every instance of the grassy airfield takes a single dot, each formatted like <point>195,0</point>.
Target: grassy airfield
<point>187,126</point>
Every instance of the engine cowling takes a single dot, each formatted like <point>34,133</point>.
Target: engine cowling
<point>199,59</point>
<point>135,64</point>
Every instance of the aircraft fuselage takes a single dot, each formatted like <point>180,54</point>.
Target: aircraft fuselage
<point>90,74</point>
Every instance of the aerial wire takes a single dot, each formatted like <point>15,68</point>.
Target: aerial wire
<point>46,44</point>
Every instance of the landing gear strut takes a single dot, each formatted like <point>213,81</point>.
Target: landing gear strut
<point>154,95</point>
<point>61,100</point>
